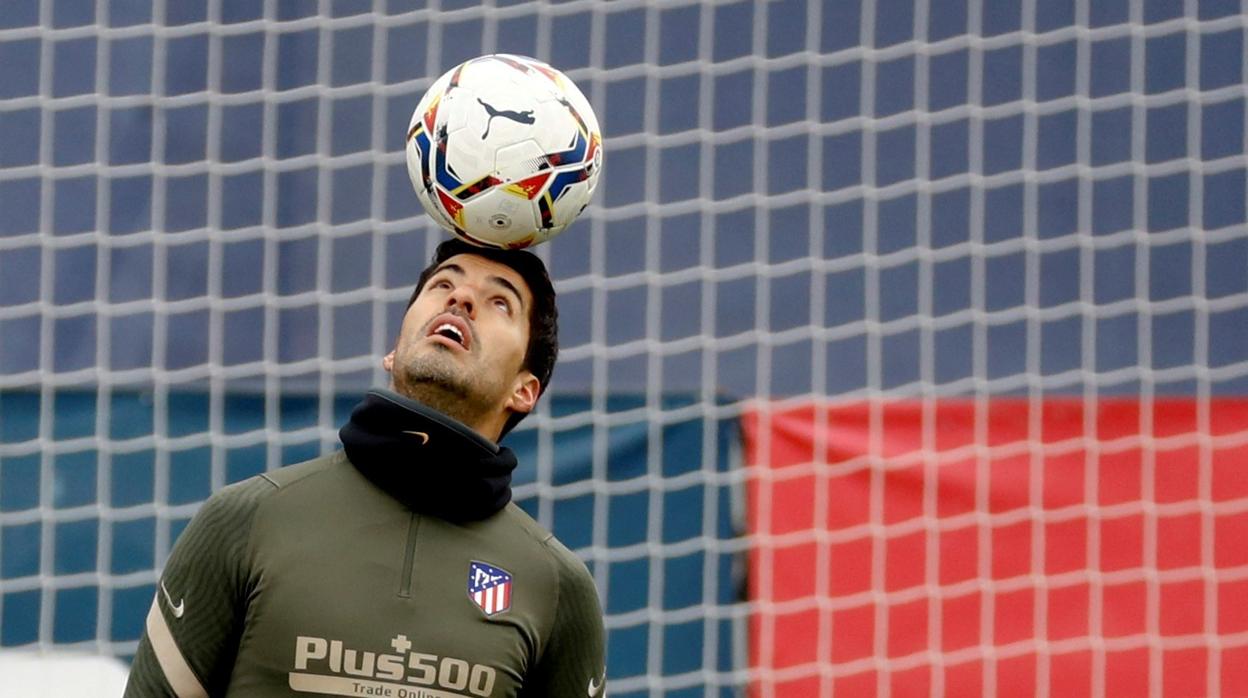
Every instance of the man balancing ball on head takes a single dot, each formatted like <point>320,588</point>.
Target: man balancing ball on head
<point>397,566</point>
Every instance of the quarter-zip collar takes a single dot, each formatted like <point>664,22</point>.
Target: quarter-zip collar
<point>432,463</point>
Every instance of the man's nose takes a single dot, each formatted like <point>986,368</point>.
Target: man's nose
<point>463,297</point>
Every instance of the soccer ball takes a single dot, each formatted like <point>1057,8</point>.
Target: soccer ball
<point>504,151</point>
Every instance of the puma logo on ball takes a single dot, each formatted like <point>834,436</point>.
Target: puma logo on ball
<point>523,117</point>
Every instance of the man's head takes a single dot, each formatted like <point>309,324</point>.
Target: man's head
<point>480,336</point>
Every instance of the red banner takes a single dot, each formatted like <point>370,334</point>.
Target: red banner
<point>999,547</point>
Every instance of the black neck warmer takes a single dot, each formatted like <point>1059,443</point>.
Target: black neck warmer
<point>427,460</point>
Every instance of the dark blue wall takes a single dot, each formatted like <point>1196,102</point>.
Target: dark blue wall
<point>780,168</point>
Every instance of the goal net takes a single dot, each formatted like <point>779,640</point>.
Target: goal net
<point>904,346</point>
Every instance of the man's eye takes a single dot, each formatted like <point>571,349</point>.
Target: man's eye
<point>502,305</point>
<point>442,284</point>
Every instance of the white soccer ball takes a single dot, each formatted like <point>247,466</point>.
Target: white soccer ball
<point>504,151</point>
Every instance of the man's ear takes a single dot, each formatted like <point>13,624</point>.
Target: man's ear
<point>525,393</point>
<point>387,362</point>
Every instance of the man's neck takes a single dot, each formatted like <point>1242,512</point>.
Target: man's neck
<point>487,423</point>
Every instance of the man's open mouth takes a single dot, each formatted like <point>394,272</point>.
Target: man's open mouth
<point>450,327</point>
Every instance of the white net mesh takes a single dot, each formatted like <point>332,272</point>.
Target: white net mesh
<point>207,235</point>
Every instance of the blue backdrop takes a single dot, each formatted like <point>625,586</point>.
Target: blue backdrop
<point>1163,170</point>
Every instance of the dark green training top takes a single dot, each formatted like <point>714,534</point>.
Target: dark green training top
<point>396,567</point>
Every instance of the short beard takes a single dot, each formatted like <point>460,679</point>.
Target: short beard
<point>433,383</point>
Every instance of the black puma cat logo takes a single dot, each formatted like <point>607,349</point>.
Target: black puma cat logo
<point>523,117</point>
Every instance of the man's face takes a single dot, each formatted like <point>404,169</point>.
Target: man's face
<point>462,344</point>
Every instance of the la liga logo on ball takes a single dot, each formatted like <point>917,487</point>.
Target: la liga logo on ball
<point>504,151</point>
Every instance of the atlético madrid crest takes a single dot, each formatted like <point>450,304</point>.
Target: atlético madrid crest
<point>489,587</point>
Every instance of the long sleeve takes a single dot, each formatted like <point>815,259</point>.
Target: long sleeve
<point>573,663</point>
<point>192,630</point>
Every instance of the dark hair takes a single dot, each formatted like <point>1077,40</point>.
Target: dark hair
<point>543,349</point>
